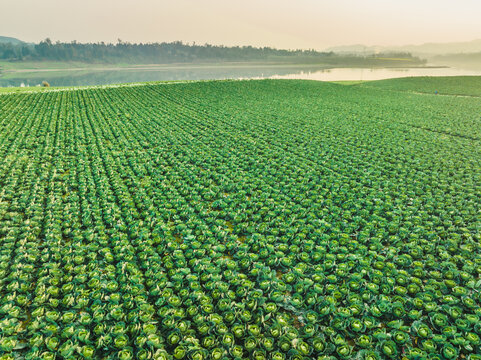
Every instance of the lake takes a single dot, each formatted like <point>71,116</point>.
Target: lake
<point>344,74</point>
<point>80,77</point>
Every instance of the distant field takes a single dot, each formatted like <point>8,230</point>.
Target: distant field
<point>9,90</point>
<point>448,85</point>
<point>270,219</point>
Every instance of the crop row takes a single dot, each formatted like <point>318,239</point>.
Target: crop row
<point>260,219</point>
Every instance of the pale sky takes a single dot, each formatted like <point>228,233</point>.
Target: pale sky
<point>287,24</point>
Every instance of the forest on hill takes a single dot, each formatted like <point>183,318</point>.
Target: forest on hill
<point>179,52</point>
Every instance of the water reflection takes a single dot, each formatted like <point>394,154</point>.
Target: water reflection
<point>345,74</point>
<point>97,77</point>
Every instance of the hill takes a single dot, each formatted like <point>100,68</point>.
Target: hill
<point>460,60</point>
<point>179,52</point>
<point>10,40</point>
<point>418,50</point>
<point>444,48</point>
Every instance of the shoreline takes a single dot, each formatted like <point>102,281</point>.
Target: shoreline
<point>196,66</point>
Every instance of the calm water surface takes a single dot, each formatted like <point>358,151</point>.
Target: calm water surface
<point>99,77</point>
<point>344,74</point>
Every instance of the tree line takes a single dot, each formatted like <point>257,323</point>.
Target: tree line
<point>160,53</point>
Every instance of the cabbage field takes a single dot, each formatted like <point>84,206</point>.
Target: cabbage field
<point>269,219</point>
<point>443,85</point>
